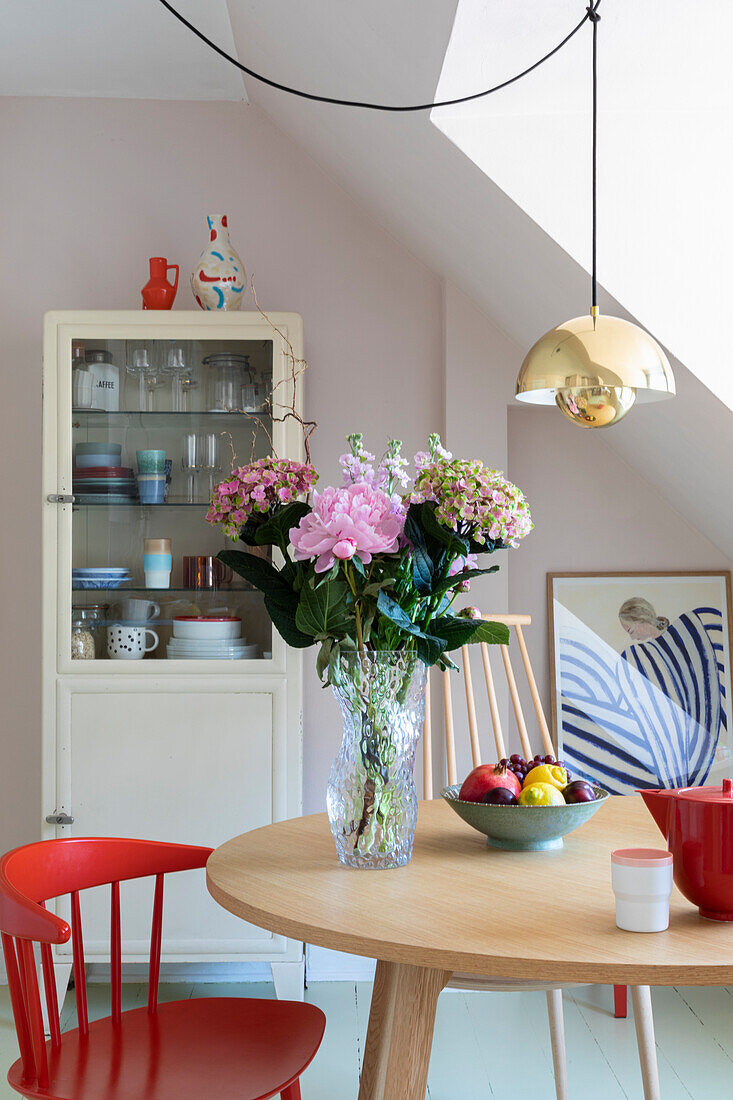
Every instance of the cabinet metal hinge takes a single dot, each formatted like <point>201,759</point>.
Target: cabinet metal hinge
<point>60,498</point>
<point>59,819</point>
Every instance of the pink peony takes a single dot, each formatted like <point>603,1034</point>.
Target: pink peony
<point>355,521</point>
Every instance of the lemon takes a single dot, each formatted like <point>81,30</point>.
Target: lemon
<point>540,794</point>
<point>547,773</point>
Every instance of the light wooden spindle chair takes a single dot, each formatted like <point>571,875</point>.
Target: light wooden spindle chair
<point>645,1027</point>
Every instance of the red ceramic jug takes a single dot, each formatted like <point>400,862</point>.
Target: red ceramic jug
<point>697,823</point>
<point>158,293</point>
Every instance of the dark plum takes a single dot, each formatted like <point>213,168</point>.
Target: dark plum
<point>500,796</point>
<point>579,791</point>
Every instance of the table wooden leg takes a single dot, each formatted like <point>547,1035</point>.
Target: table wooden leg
<point>400,1035</point>
<point>641,999</point>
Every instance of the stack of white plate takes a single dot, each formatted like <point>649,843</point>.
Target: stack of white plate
<point>197,638</point>
<point>179,650</point>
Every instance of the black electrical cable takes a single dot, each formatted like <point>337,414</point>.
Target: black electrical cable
<point>595,19</point>
<point>589,15</point>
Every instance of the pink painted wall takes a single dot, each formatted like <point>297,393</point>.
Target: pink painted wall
<point>90,189</point>
<point>592,512</point>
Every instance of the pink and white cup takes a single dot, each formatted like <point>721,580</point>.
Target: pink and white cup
<point>642,882</point>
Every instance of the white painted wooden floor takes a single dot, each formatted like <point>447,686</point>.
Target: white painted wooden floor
<point>493,1044</point>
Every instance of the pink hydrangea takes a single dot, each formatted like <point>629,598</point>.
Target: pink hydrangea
<point>354,521</point>
<point>256,489</point>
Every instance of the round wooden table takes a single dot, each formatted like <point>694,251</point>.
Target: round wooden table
<point>462,907</point>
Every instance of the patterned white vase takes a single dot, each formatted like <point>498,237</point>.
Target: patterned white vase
<point>218,279</point>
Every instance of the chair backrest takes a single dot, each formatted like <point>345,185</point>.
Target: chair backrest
<point>517,622</point>
<point>35,873</point>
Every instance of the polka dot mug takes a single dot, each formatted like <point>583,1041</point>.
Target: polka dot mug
<point>127,643</point>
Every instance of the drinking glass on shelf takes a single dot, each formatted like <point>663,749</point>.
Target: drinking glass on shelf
<point>140,365</point>
<point>182,375</point>
<point>189,463</point>
<point>210,457</point>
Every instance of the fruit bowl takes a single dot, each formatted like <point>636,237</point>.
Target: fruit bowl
<point>524,828</point>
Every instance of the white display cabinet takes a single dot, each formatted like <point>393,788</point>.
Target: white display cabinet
<point>194,750</point>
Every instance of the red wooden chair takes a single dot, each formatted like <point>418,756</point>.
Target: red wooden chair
<point>246,1048</point>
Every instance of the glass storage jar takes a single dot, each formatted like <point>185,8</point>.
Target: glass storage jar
<point>105,379</point>
<point>93,618</point>
<point>82,642</point>
<point>226,372</point>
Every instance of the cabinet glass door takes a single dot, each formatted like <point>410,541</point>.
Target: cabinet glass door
<point>155,425</point>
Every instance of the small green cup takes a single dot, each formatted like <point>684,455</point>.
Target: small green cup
<point>150,462</point>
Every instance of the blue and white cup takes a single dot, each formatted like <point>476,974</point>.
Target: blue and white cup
<point>151,488</point>
<point>157,569</point>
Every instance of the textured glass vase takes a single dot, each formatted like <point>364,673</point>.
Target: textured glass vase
<point>372,804</point>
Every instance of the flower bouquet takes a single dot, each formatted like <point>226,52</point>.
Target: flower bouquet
<point>369,572</point>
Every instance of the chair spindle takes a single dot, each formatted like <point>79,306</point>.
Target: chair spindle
<point>80,980</point>
<point>471,708</point>
<point>450,738</point>
<point>516,704</point>
<point>52,1004</point>
<point>35,1017</point>
<point>115,954</point>
<point>427,746</point>
<point>17,1001</point>
<point>156,935</point>
<point>493,705</point>
<point>536,701</point>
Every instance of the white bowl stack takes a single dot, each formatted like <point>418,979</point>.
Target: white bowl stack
<point>198,638</point>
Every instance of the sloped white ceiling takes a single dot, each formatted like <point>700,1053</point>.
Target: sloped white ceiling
<point>665,232</point>
<point>130,49</point>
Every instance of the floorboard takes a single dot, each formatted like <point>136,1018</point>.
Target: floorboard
<point>490,1045</point>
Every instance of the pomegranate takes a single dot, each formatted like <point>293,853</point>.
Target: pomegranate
<point>484,778</point>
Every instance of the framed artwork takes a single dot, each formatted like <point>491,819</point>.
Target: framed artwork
<point>641,677</point>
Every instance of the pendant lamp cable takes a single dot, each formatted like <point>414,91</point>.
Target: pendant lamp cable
<point>595,19</point>
<point>590,15</point>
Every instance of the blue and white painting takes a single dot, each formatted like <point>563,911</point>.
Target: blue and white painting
<point>642,678</point>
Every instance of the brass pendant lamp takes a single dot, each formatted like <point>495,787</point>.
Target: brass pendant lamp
<point>594,368</point>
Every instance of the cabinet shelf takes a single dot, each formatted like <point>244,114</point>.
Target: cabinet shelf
<point>141,504</point>
<point>160,592</point>
<point>100,418</point>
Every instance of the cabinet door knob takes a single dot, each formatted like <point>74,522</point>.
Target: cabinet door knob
<point>59,819</point>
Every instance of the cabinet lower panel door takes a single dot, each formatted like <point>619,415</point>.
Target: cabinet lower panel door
<point>189,767</point>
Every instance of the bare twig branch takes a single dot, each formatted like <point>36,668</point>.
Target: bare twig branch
<point>297,368</point>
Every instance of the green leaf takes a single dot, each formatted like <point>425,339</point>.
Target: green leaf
<point>258,571</point>
<point>324,611</point>
<point>281,601</point>
<point>429,646</point>
<point>275,531</point>
<point>491,633</point>
<point>358,565</point>
<point>282,607</point>
<point>459,632</point>
<point>453,542</point>
<point>324,656</point>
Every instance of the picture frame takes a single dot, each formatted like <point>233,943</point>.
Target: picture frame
<point>640,675</point>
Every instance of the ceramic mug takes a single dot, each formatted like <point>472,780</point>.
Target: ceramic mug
<point>138,611</point>
<point>150,462</point>
<point>151,488</point>
<point>127,643</point>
